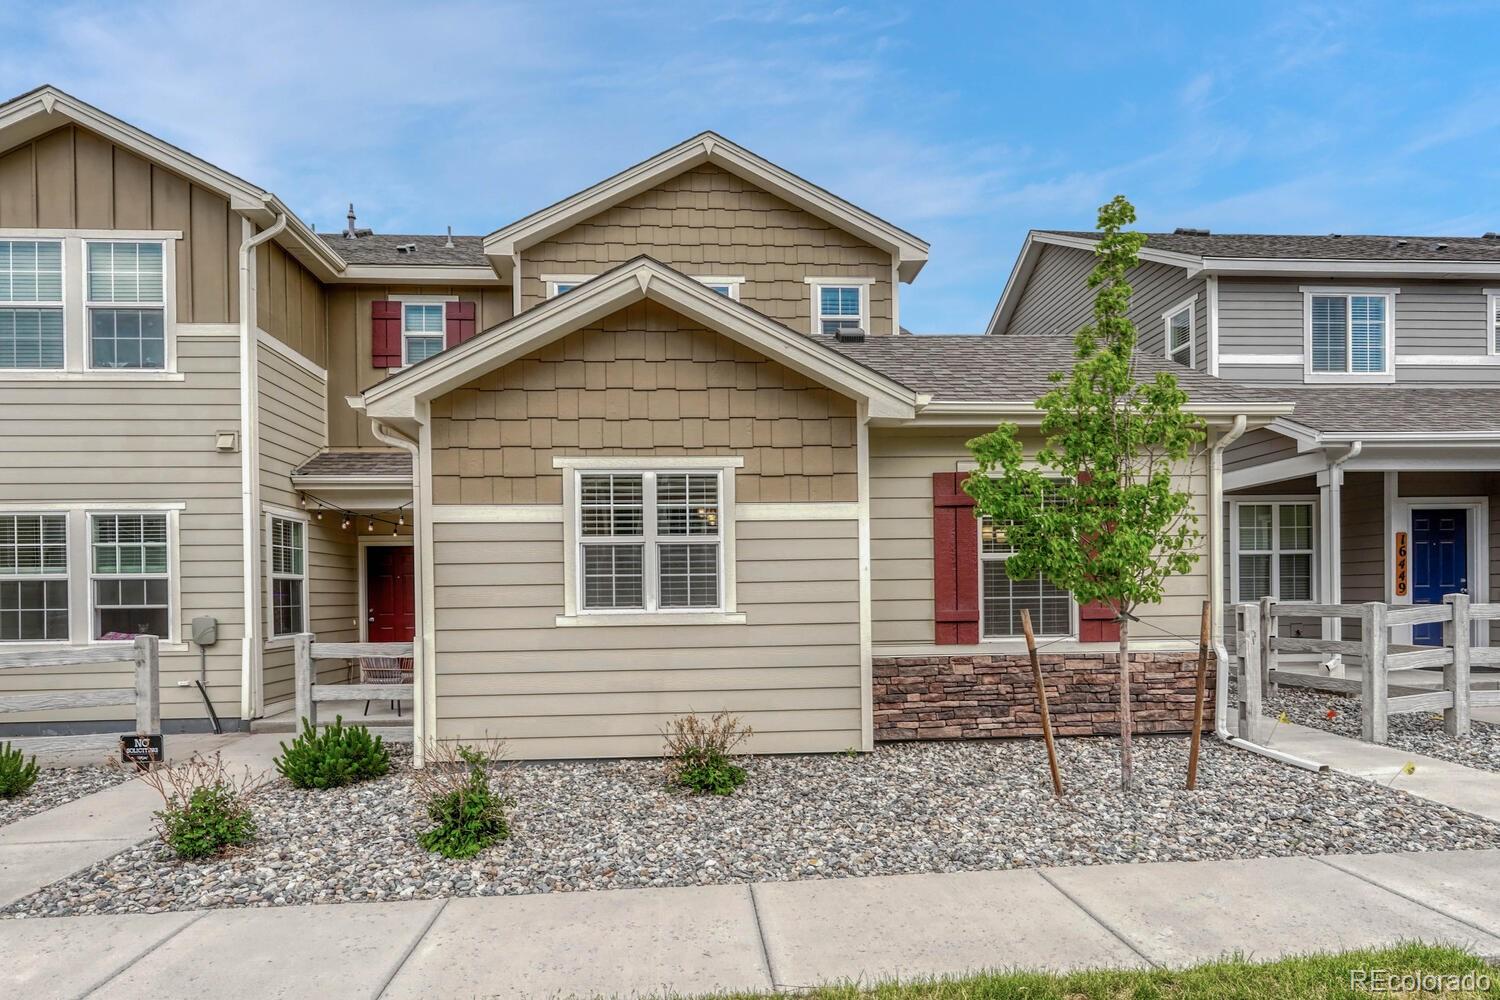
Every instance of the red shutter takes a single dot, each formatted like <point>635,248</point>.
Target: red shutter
<point>955,562</point>
<point>460,323</point>
<point>1097,622</point>
<point>385,334</point>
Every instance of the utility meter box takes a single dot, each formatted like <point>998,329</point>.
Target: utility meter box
<point>205,630</point>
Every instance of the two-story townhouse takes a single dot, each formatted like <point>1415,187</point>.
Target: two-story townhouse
<point>1381,485</point>
<point>660,447</point>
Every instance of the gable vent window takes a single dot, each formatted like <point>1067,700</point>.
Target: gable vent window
<point>1178,330</point>
<point>31,304</point>
<point>1349,333</point>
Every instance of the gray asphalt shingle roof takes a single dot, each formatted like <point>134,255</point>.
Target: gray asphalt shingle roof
<point>1315,247</point>
<point>1383,409</point>
<point>381,248</point>
<point>971,368</point>
<point>374,464</point>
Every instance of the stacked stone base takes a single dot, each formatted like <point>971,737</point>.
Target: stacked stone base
<point>969,697</point>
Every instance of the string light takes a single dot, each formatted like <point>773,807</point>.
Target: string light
<point>344,524</point>
<point>351,518</point>
<point>371,525</point>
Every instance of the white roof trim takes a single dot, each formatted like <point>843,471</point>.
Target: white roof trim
<point>402,396</point>
<point>1338,266</point>
<point>456,274</point>
<point>909,250</point>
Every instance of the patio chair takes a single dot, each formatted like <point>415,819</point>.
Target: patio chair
<point>385,670</point>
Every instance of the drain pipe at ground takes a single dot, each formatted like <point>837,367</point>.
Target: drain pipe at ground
<point>1216,599</point>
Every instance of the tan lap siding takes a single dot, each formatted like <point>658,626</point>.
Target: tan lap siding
<point>141,443</point>
<point>505,669</point>
<point>642,382</point>
<point>901,468</point>
<point>709,222</point>
<point>72,178</point>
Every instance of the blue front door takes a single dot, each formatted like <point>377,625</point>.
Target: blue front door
<point>1439,563</point>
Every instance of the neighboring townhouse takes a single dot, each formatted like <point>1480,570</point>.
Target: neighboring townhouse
<point>658,448</point>
<point>1381,485</point>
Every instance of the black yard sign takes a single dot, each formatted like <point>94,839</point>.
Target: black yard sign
<point>142,749</point>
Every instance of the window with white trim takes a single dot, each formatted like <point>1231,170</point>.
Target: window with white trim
<point>1178,333</point>
<point>838,307</point>
<point>1349,333</point>
<point>33,577</point>
<point>129,575</point>
<point>557,284</point>
<point>1492,317</point>
<point>422,330</point>
<point>288,566</point>
<point>1273,551</point>
<point>727,287</point>
<point>1002,599</point>
<point>650,541</point>
<point>125,301</point>
<point>31,304</point>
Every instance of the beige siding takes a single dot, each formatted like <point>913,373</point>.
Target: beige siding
<point>142,442</point>
<point>710,222</point>
<point>293,428</point>
<point>901,467</point>
<point>290,303</point>
<point>349,368</point>
<point>72,178</point>
<point>504,669</point>
<point>642,382</point>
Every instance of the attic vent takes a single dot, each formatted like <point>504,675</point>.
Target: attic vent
<point>406,248</point>
<point>1188,231</point>
<point>849,335</point>
<point>1402,243</point>
<point>1440,246</point>
<point>1336,236</point>
<point>1490,236</point>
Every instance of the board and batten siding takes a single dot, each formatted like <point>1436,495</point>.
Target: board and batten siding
<point>142,442</point>
<point>505,670</point>
<point>290,303</point>
<point>72,178</point>
<point>1056,300</point>
<point>710,222</point>
<point>349,331</point>
<point>1446,319</point>
<point>902,463</point>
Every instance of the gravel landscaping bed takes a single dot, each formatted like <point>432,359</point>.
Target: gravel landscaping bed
<point>57,785</point>
<point>1418,732</point>
<point>935,807</point>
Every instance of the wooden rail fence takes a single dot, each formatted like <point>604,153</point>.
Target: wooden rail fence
<point>310,693</point>
<point>145,695</point>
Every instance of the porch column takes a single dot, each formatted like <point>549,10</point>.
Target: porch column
<point>1330,547</point>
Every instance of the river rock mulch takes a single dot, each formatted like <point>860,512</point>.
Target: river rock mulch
<point>1416,732</point>
<point>936,807</point>
<point>58,785</point>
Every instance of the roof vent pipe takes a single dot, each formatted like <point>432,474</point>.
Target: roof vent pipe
<point>349,232</point>
<point>1189,231</point>
<point>1490,236</point>
<point>449,244</point>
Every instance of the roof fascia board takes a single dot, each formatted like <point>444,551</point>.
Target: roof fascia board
<point>1267,411</point>
<point>351,480</point>
<point>399,273</point>
<point>1386,268</point>
<point>1192,262</point>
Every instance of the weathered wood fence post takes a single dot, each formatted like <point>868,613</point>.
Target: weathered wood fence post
<point>1374,637</point>
<point>1248,654</point>
<point>147,684</point>
<point>306,707</point>
<point>1268,633</point>
<point>1456,636</point>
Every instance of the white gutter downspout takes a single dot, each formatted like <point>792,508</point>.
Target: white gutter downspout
<point>1333,556</point>
<point>1217,608</point>
<point>421,690</point>
<point>250,689</point>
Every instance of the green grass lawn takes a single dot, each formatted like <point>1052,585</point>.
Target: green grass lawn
<point>1314,976</point>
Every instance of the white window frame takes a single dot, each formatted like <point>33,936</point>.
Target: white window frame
<point>1190,306</point>
<point>999,557</point>
<point>61,306</point>
<point>732,283</point>
<point>421,300</point>
<point>76,360</point>
<point>648,467</point>
<point>89,305</point>
<point>272,515</point>
<point>1491,321</point>
<point>173,574</point>
<point>1311,376</point>
<point>820,283</point>
<point>1275,552</point>
<point>552,281</point>
<point>65,576</point>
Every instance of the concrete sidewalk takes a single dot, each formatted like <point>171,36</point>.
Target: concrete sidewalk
<point>766,936</point>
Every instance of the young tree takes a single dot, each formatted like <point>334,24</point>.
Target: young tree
<point>1105,512</point>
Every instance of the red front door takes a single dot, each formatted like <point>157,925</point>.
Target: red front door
<point>391,590</point>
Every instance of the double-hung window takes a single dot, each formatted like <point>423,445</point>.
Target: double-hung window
<point>125,299</point>
<point>31,304</point>
<point>727,287</point>
<point>838,307</point>
<point>1273,551</point>
<point>130,575</point>
<point>33,577</point>
<point>650,541</point>
<point>1002,599</point>
<point>1178,333</point>
<point>288,543</point>
<point>1492,317</point>
<point>422,331</point>
<point>1349,333</point>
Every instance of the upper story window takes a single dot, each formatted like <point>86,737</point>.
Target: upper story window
<point>1492,317</point>
<point>557,284</point>
<point>838,307</point>
<point>31,304</point>
<point>421,330</point>
<point>125,298</point>
<point>1178,333</point>
<point>1349,333</point>
<point>727,287</point>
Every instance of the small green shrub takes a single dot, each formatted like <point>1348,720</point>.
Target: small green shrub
<point>468,814</point>
<point>17,774</point>
<point>337,756</point>
<point>205,810</point>
<point>697,754</point>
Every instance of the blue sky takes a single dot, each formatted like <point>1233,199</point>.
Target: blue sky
<point>966,124</point>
